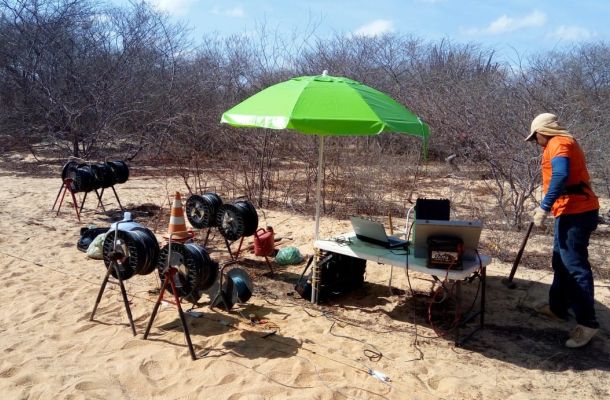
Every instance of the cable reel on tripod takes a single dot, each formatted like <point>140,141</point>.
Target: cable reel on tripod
<point>196,271</point>
<point>69,170</point>
<point>84,179</point>
<point>201,211</point>
<point>242,284</point>
<point>104,177</point>
<point>88,177</point>
<point>234,287</point>
<point>120,171</point>
<point>237,220</point>
<point>136,252</point>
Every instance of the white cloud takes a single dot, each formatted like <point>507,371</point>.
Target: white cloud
<point>174,7</point>
<point>509,24</point>
<point>375,28</point>
<point>571,33</point>
<point>235,12</point>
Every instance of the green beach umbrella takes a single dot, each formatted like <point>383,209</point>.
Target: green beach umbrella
<point>325,105</point>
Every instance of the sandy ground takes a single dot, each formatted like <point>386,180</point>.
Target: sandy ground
<point>50,349</point>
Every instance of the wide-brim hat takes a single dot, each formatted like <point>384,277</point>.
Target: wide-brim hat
<point>547,125</point>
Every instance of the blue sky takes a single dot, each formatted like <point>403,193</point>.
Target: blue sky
<point>510,27</point>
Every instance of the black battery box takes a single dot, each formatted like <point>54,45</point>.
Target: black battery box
<point>445,252</point>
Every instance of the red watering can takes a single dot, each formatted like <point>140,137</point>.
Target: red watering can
<point>264,242</point>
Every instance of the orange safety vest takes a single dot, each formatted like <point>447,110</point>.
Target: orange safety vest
<point>579,196</point>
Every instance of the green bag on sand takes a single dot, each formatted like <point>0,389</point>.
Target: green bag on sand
<point>95,249</point>
<point>288,255</point>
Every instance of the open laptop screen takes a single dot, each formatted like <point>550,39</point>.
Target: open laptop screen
<point>374,232</point>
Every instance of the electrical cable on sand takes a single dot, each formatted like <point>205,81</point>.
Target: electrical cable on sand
<point>269,338</point>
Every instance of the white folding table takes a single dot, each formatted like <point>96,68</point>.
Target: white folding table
<point>349,245</point>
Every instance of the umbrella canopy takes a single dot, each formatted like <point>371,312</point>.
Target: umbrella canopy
<point>325,105</point>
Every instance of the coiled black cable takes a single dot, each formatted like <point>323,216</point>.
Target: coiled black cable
<point>237,220</point>
<point>201,211</point>
<point>136,252</point>
<point>196,271</point>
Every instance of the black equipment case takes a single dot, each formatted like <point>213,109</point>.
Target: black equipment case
<point>339,274</point>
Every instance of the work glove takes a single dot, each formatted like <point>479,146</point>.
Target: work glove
<point>540,217</point>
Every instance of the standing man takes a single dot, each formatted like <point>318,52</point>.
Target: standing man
<point>568,195</point>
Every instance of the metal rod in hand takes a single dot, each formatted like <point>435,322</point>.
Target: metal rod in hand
<point>509,282</point>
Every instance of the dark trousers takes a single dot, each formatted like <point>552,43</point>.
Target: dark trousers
<point>572,285</point>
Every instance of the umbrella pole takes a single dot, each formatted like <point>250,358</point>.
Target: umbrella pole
<point>319,185</point>
<point>315,276</point>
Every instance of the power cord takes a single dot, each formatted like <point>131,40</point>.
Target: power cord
<point>478,274</point>
<point>416,334</point>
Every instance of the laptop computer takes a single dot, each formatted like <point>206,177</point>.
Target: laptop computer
<point>468,231</point>
<point>374,232</point>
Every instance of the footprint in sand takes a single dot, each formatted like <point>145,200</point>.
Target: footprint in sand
<point>38,315</point>
<point>9,372</point>
<point>132,344</point>
<point>84,328</point>
<point>85,317</point>
<point>433,382</point>
<point>141,318</point>
<point>420,370</point>
<point>229,378</point>
<point>445,384</point>
<point>24,381</point>
<point>89,385</point>
<point>450,384</point>
<point>239,395</point>
<point>152,370</point>
<point>52,336</point>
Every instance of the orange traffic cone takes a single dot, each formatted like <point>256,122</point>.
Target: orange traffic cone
<point>176,221</point>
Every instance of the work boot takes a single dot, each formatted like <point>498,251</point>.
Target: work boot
<point>580,336</point>
<point>545,310</point>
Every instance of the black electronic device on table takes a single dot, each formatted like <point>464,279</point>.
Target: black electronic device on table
<point>433,209</point>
